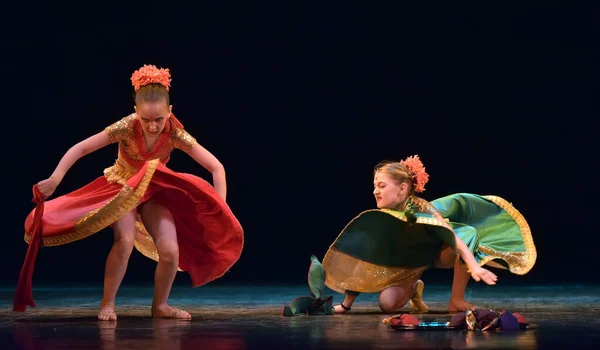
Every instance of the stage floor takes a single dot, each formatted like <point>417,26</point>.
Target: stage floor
<point>249,317</point>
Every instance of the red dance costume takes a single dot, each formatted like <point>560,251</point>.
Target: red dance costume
<point>209,236</point>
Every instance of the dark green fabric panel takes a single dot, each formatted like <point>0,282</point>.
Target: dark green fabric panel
<point>382,239</point>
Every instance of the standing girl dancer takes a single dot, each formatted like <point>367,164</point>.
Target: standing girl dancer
<point>177,219</point>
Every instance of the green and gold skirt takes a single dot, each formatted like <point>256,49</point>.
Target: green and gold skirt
<point>381,248</point>
<point>494,230</point>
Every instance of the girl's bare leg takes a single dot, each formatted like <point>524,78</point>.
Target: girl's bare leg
<point>459,285</point>
<point>393,298</point>
<point>161,226</point>
<point>446,260</point>
<point>346,305</point>
<point>116,264</point>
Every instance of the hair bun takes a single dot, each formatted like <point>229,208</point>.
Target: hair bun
<point>149,74</point>
<point>419,176</point>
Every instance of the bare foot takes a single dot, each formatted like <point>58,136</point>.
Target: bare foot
<point>107,312</point>
<point>339,309</point>
<point>459,305</point>
<point>170,312</point>
<point>416,300</point>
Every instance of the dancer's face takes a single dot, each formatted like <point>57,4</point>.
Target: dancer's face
<point>153,116</point>
<point>388,192</point>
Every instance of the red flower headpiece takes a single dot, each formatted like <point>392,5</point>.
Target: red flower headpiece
<point>419,176</point>
<point>149,74</point>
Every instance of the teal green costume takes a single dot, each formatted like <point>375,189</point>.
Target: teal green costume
<point>381,248</point>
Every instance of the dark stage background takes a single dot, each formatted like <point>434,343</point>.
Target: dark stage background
<point>299,102</point>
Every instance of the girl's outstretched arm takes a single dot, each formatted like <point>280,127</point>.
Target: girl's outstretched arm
<point>477,272</point>
<point>87,146</point>
<point>212,164</point>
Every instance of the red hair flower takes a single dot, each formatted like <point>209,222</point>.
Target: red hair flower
<point>149,74</point>
<point>420,177</point>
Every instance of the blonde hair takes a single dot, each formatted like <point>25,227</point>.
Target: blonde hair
<point>398,171</point>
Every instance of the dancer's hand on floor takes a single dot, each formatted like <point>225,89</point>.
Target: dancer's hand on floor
<point>480,274</point>
<point>47,186</point>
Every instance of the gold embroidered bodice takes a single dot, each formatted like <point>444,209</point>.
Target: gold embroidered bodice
<point>423,206</point>
<point>123,132</point>
<point>132,154</point>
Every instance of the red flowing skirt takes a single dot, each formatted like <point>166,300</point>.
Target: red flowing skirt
<point>210,238</point>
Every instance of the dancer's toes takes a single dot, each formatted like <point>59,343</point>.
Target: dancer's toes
<point>170,312</point>
<point>341,309</point>
<point>107,313</point>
